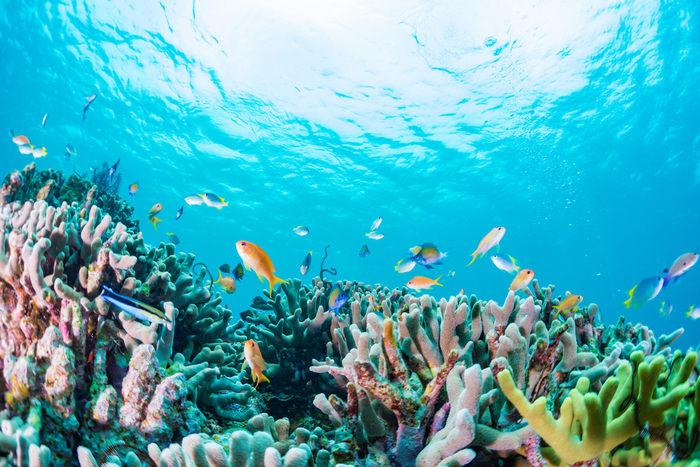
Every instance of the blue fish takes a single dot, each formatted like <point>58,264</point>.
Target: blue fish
<point>338,298</point>
<point>304,268</point>
<point>179,214</point>
<point>364,251</point>
<point>134,307</point>
<point>644,291</point>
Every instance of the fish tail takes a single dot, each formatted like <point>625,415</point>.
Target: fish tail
<point>628,302</point>
<point>474,255</point>
<point>556,314</point>
<point>436,280</point>
<point>219,278</point>
<point>155,220</point>
<point>262,377</point>
<point>274,280</point>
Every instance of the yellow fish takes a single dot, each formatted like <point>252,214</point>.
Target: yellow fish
<point>522,279</point>
<point>227,283</point>
<point>254,359</point>
<point>489,241</point>
<point>372,303</point>
<point>420,282</point>
<point>567,304</point>
<point>152,214</point>
<point>256,259</point>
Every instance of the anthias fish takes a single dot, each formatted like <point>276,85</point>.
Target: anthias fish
<point>419,283</point>
<point>254,359</point>
<point>521,280</point>
<point>489,241</point>
<point>256,259</point>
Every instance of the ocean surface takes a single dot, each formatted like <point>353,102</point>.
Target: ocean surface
<point>575,125</point>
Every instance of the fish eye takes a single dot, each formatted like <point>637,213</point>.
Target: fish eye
<point>242,243</point>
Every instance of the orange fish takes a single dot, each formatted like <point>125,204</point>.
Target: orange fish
<point>256,259</point>
<point>567,304</point>
<point>489,241</point>
<point>152,214</point>
<point>420,282</point>
<point>227,283</point>
<point>254,359</point>
<point>522,279</point>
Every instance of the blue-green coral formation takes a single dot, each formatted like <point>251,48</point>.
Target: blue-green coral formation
<point>76,371</point>
<point>412,381</point>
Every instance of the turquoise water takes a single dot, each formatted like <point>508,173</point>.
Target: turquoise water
<point>574,126</point>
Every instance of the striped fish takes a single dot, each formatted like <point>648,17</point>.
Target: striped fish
<point>135,308</point>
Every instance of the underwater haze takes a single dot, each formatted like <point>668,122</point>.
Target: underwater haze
<point>572,124</point>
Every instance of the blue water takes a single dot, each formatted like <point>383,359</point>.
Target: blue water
<point>575,126</point>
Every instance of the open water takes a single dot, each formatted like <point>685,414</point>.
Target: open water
<point>573,124</point>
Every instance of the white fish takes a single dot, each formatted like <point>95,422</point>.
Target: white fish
<point>38,152</point>
<point>26,149</point>
<point>377,222</point>
<point>194,200</point>
<point>505,263</point>
<point>43,121</point>
<point>374,235</point>
<point>693,312</point>
<point>405,265</point>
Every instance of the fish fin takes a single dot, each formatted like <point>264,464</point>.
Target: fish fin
<point>246,265</point>
<point>244,364</point>
<point>688,313</point>
<point>666,281</point>
<point>627,302</point>
<point>262,377</point>
<point>155,220</point>
<point>436,280</point>
<point>474,255</point>
<point>276,280</point>
<point>259,276</point>
<point>428,266</point>
<point>414,250</point>
<point>219,281</point>
<point>556,314</point>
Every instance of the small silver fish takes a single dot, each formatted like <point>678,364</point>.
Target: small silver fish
<point>179,213</point>
<point>405,265</point>
<point>194,200</point>
<point>89,100</point>
<point>301,230</point>
<point>43,121</point>
<point>505,263</point>
<point>214,201</point>
<point>374,235</point>
<point>377,222</point>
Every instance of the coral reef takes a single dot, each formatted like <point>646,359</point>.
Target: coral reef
<point>392,379</point>
<point>78,370</point>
